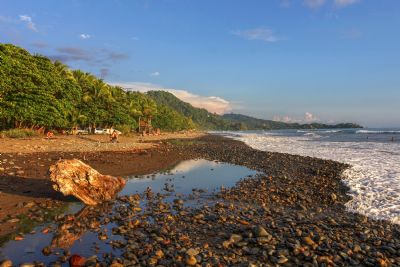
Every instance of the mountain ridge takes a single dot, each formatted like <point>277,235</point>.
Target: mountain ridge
<point>211,121</point>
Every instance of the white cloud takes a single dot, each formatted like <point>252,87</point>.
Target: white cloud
<point>343,3</point>
<point>307,118</point>
<point>286,119</point>
<point>84,36</point>
<point>314,3</point>
<point>213,104</point>
<point>155,74</point>
<point>29,23</point>
<point>262,34</point>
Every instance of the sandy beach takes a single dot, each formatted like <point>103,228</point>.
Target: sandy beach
<point>24,164</point>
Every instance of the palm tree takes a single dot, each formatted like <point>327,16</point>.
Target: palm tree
<point>76,118</point>
<point>63,70</point>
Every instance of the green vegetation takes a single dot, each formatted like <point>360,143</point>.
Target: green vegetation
<point>259,124</point>
<point>208,121</point>
<point>200,117</point>
<point>36,93</point>
<point>18,133</point>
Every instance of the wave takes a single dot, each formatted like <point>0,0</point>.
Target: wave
<point>374,178</point>
<point>376,132</point>
<point>319,131</point>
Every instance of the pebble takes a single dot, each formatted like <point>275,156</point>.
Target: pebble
<point>116,264</point>
<point>77,261</point>
<point>6,263</point>
<point>191,260</point>
<point>192,252</point>
<point>261,232</point>
<point>235,238</point>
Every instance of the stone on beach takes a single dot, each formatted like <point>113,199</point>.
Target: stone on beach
<point>73,177</point>
<point>6,263</point>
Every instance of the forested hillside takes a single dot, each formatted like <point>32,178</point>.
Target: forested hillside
<point>36,92</point>
<point>259,124</point>
<point>206,120</point>
<point>201,117</point>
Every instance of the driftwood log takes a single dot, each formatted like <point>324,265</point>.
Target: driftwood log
<point>73,177</point>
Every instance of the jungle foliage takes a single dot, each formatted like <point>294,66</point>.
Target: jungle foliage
<point>36,92</point>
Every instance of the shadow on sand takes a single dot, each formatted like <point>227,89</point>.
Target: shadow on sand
<point>30,187</point>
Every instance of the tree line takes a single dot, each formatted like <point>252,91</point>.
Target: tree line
<point>37,92</point>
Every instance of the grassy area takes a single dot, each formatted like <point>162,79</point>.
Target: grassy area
<point>18,133</point>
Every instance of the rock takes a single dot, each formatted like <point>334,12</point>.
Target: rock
<point>6,263</point>
<point>73,177</point>
<point>91,261</point>
<point>191,260</point>
<point>29,204</point>
<point>192,252</point>
<point>226,243</point>
<point>77,261</point>
<point>159,253</point>
<point>46,251</point>
<point>263,239</point>
<point>116,264</point>
<point>261,232</point>
<point>282,260</point>
<point>235,238</point>
<point>357,248</point>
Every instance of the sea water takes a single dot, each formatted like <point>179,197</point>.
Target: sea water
<point>374,156</point>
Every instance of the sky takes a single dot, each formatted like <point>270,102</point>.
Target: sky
<point>295,61</point>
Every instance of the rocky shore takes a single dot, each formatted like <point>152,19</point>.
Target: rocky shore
<point>290,214</point>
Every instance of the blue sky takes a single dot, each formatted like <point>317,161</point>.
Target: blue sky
<point>304,60</point>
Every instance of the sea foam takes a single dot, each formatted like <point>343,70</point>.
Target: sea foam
<point>374,178</point>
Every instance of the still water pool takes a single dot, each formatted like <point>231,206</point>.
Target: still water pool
<point>192,180</point>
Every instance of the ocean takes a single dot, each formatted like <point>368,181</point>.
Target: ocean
<point>374,156</point>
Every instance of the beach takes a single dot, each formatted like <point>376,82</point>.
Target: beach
<point>289,211</point>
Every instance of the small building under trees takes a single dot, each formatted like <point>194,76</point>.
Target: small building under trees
<point>145,126</point>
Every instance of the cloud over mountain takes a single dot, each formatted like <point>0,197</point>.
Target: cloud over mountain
<point>213,104</point>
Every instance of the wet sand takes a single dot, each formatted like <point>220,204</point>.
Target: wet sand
<point>24,175</point>
<point>292,214</point>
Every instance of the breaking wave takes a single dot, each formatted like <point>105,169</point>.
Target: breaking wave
<point>373,179</point>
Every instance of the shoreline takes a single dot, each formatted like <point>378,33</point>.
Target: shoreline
<point>295,193</point>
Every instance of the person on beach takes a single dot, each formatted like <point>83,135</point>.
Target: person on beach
<point>49,135</point>
<point>114,137</point>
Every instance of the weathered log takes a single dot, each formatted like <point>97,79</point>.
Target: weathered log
<point>73,177</point>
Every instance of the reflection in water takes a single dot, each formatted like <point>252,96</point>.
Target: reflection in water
<point>188,175</point>
<point>191,165</point>
<point>89,231</point>
<point>73,227</point>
